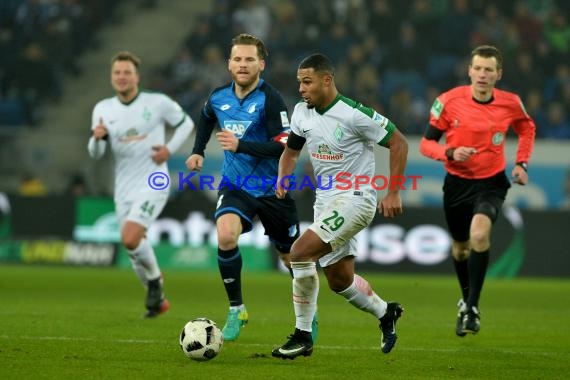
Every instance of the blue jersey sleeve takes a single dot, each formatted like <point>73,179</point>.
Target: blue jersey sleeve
<point>206,124</point>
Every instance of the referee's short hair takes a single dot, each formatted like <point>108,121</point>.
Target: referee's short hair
<point>488,51</point>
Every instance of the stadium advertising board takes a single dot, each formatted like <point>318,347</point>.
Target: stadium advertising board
<point>40,231</point>
<point>55,251</point>
<point>524,242</point>
<point>544,191</point>
<point>184,236</point>
<point>52,216</point>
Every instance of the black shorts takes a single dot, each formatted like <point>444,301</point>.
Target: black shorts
<point>278,216</point>
<point>463,198</point>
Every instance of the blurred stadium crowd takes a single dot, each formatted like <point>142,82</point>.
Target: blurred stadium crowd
<point>394,55</point>
<point>40,41</point>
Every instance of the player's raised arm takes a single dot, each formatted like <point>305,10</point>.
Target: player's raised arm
<point>97,142</point>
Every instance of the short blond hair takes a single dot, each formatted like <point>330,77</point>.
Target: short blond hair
<point>126,56</point>
<point>248,39</point>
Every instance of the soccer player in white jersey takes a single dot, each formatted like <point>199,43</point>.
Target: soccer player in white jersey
<point>340,135</point>
<point>133,123</point>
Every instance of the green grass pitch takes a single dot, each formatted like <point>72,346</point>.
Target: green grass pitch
<point>84,323</point>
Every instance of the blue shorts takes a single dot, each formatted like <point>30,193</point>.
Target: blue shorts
<point>278,216</point>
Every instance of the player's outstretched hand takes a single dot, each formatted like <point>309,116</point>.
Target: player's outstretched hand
<point>195,162</point>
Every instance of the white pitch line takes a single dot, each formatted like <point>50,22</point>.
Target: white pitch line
<point>79,339</point>
<point>320,347</point>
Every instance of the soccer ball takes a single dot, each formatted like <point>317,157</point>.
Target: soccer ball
<point>201,339</point>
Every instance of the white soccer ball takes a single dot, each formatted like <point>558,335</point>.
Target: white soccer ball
<point>201,339</point>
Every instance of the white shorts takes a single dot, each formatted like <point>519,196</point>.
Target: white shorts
<point>142,208</point>
<point>337,221</point>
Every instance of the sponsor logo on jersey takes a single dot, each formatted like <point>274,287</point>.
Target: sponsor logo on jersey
<point>237,127</point>
<point>146,114</point>
<point>381,120</point>
<point>293,230</point>
<point>132,135</point>
<point>324,148</point>
<point>284,119</point>
<point>436,109</point>
<point>324,153</point>
<point>338,132</point>
<point>497,138</point>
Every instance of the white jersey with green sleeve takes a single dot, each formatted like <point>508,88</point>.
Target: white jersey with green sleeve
<point>133,129</point>
<point>341,139</point>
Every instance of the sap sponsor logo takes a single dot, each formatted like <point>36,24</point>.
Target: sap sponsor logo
<point>237,127</point>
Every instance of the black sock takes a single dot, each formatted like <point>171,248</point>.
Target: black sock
<point>478,262</point>
<point>462,271</point>
<point>229,264</point>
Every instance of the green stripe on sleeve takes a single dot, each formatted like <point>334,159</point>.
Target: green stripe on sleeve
<point>180,122</point>
<point>390,128</point>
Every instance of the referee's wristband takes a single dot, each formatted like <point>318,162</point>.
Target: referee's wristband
<point>523,165</point>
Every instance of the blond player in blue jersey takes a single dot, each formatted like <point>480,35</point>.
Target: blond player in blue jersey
<point>254,125</point>
<point>133,123</point>
<point>340,135</point>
